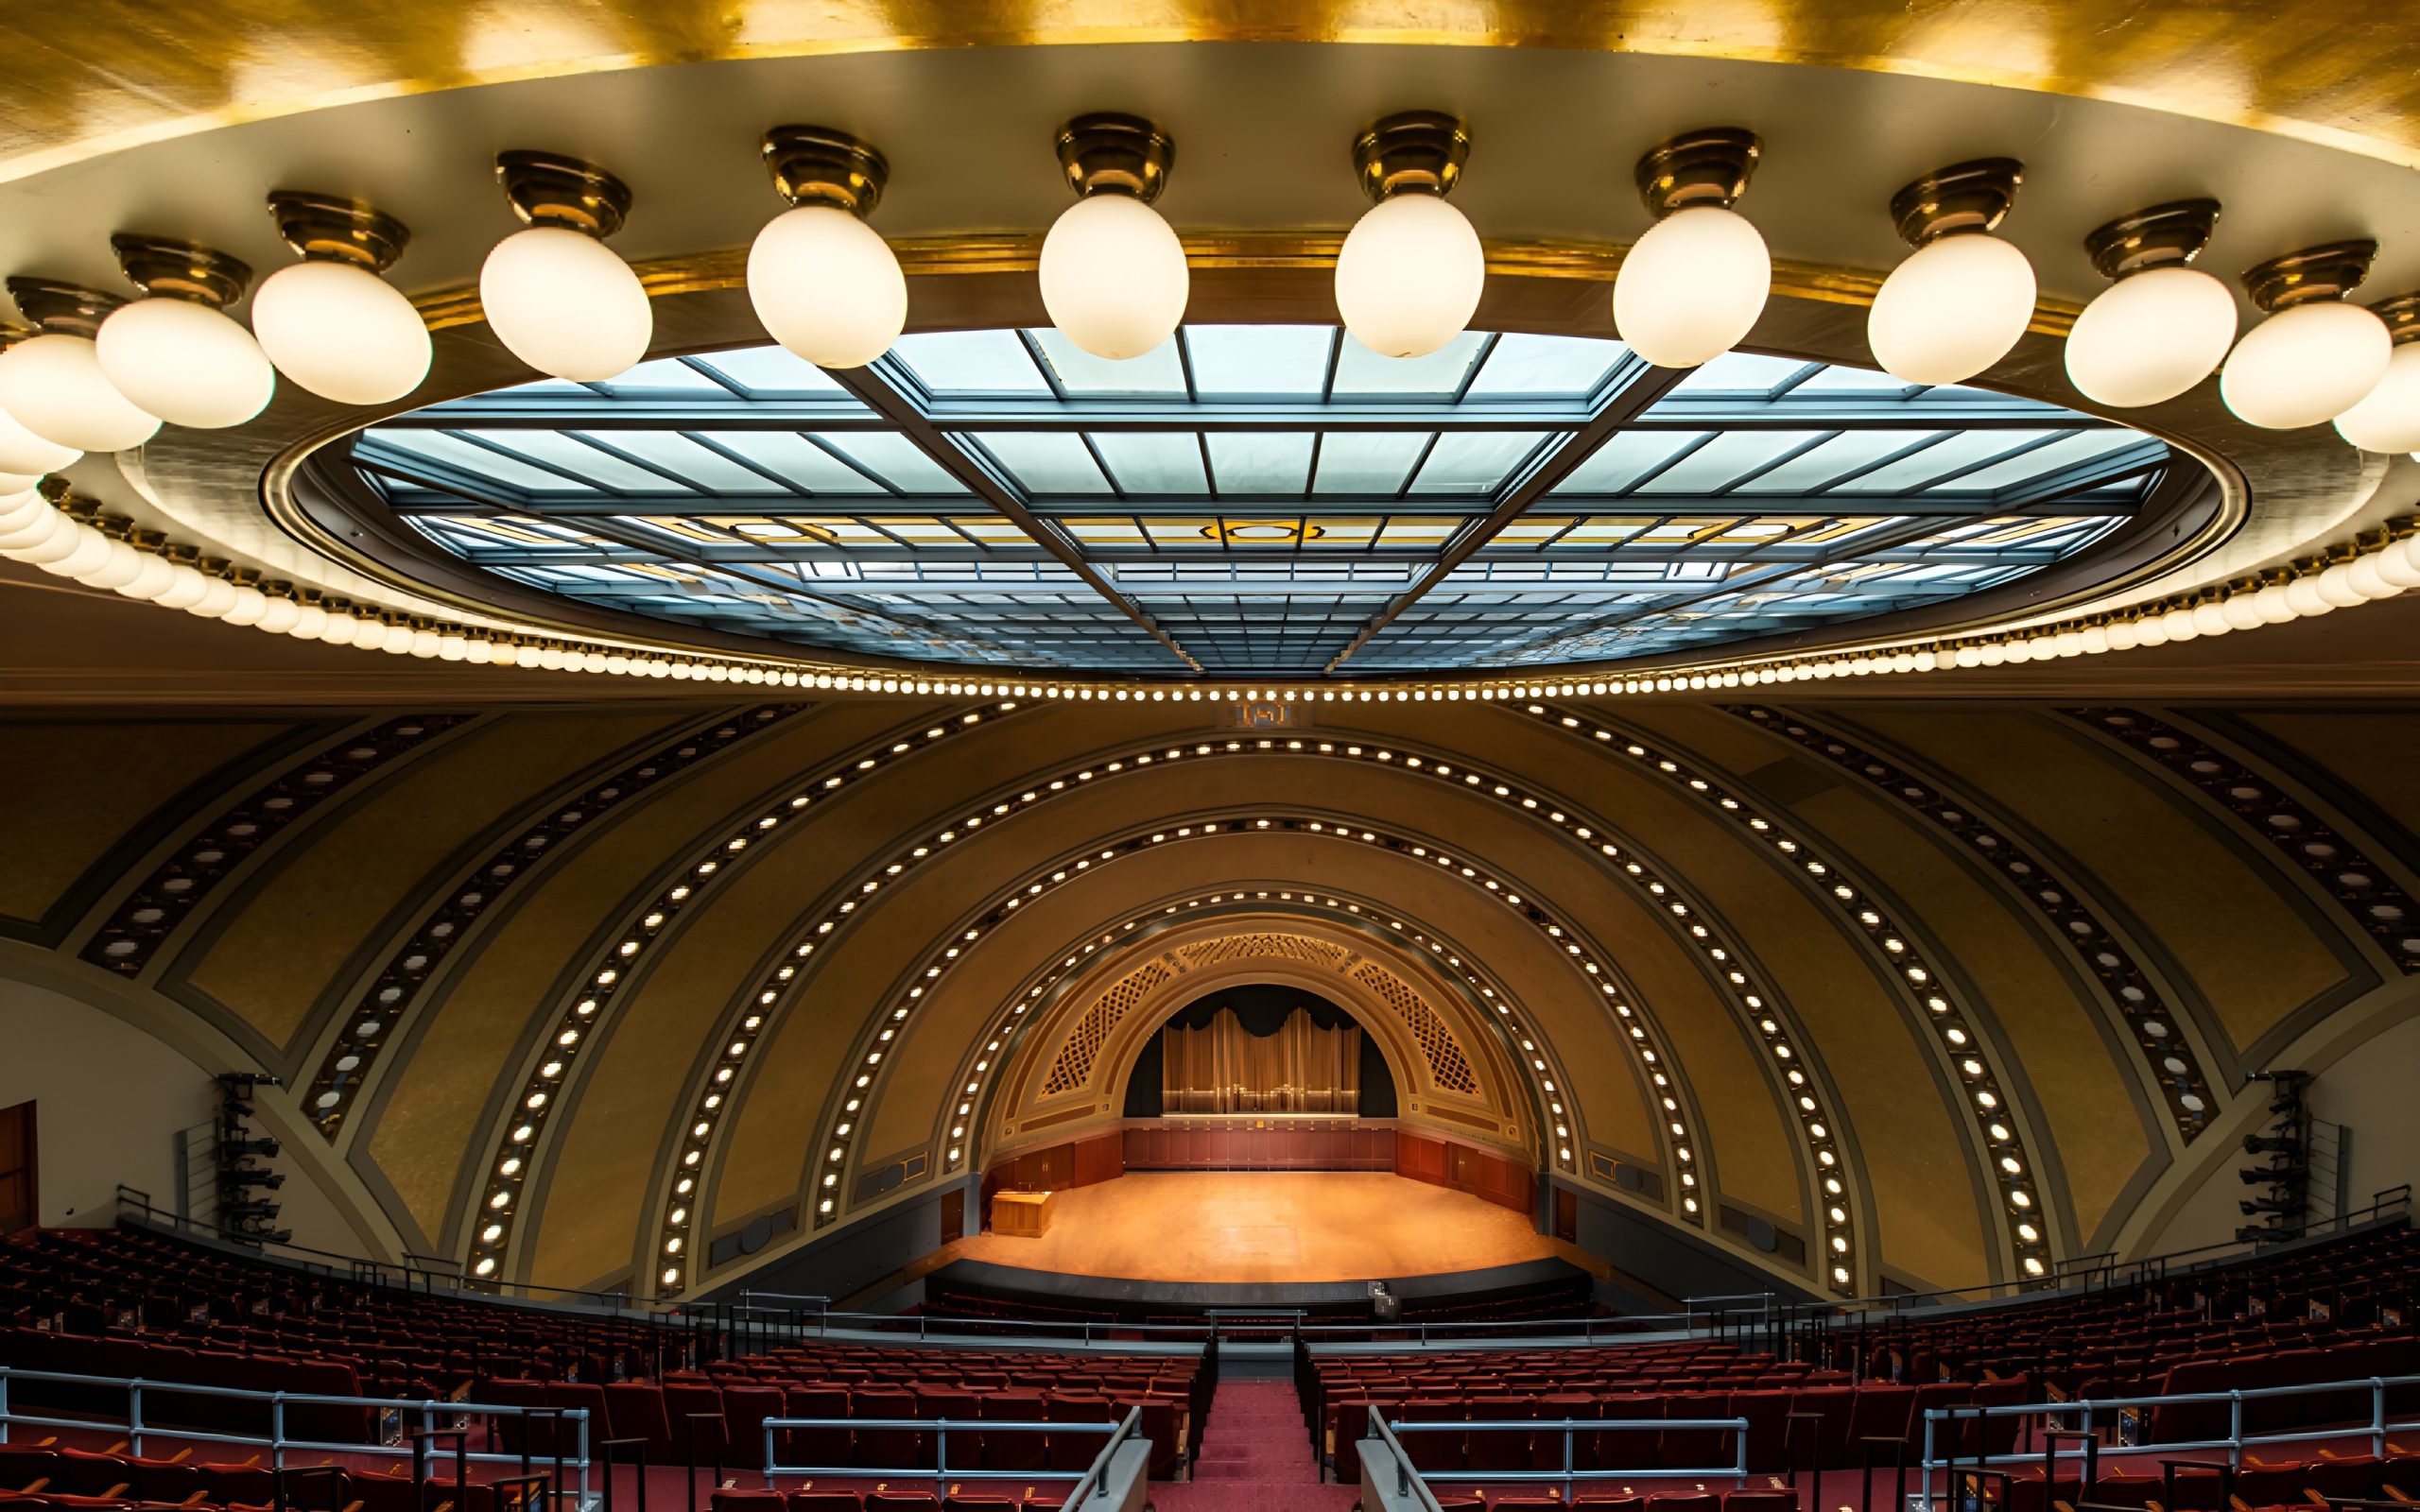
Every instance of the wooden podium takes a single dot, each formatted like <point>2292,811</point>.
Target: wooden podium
<point>1021,1215</point>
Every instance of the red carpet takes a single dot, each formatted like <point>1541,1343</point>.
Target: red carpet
<point>1255,1457</point>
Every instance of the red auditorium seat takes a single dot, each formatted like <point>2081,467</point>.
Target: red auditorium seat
<point>1075,1452</point>
<point>826,1501</point>
<point>1435,1451</point>
<point>744,1411</point>
<point>902,1501</point>
<point>1620,1450</point>
<point>2266,1485</point>
<point>1684,1501</point>
<point>1768,1415</point>
<point>827,1447</point>
<point>887,1449</point>
<point>1760,1500</point>
<point>733,1500</point>
<point>1503,1450</point>
<point>1696,1447</point>
<point>693,1411</point>
<point>635,1409</point>
<point>1017,1450</point>
<point>960,1407</point>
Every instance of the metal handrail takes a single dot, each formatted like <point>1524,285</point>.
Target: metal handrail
<point>1409,1481</point>
<point>1736,1427</point>
<point>2237,1441</point>
<point>940,1469</point>
<point>277,1442</point>
<point>1095,1481</point>
<point>435,1272</point>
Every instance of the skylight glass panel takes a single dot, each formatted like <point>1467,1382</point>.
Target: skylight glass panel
<point>1045,462</point>
<point>790,456</point>
<point>1522,365</point>
<point>1741,372</point>
<point>894,458</point>
<point>1839,378</point>
<point>1832,462</point>
<point>1627,456</point>
<point>1368,462</point>
<point>1938,464</point>
<point>1261,461</point>
<point>663,375</point>
<point>952,364</point>
<point>1154,462</point>
<point>577,456</point>
<point>477,461</point>
<point>1250,361</point>
<point>1726,459</point>
<point>706,470</point>
<point>1475,461</point>
<point>2085,446</point>
<point>1361,372</point>
<point>1158,374</point>
<point>775,372</point>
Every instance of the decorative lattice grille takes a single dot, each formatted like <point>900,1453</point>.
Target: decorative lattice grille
<point>1075,1063</point>
<point>1238,947</point>
<point>1447,1066</point>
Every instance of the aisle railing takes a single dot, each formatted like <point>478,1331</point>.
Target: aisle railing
<point>1571,1476</point>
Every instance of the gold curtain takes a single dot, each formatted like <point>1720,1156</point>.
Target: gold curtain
<point>1221,1069</point>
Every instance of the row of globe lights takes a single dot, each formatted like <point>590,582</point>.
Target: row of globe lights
<point>114,556</point>
<point>1113,275</point>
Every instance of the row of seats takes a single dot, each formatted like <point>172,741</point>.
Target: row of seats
<point>887,1499</point>
<point>50,1474</point>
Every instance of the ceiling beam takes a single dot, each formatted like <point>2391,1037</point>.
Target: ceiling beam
<point>903,415</point>
<point>1625,405</point>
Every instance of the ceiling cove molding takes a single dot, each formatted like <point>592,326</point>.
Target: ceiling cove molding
<point>1704,936</point>
<point>1971,1071</point>
<point>198,70</point>
<point>2164,1040</point>
<point>617,966</point>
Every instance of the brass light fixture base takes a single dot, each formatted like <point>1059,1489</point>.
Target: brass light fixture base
<point>2326,272</point>
<point>1120,154</point>
<point>178,270</point>
<point>62,309</point>
<point>1710,168</point>
<point>1965,196</point>
<point>2169,235</point>
<point>331,229</point>
<point>2402,317</point>
<point>1412,151</point>
<point>817,165</point>
<point>548,189</point>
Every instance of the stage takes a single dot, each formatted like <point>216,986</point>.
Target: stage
<point>1265,1227</point>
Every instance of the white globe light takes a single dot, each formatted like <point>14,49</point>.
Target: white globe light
<point>2335,585</point>
<point>90,550</point>
<point>1951,310</point>
<point>2388,418</point>
<point>25,542</point>
<point>2124,635</point>
<point>2151,337</point>
<point>2304,597</point>
<point>186,362</point>
<point>2211,619</point>
<point>280,616</point>
<point>1690,288</point>
<point>828,287</point>
<point>120,567</point>
<point>2241,613</point>
<point>341,332</point>
<point>186,586</point>
<point>24,454</point>
<point>563,303</point>
<point>310,624</point>
<point>218,597</point>
<point>54,385</point>
<point>2151,631</point>
<point>2302,366</point>
<point>2398,564</point>
<point>1409,275</point>
<point>249,605</point>
<point>2368,580</point>
<point>1114,276</point>
<point>2273,605</point>
<point>340,629</point>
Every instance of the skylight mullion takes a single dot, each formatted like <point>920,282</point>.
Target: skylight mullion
<point>787,486</point>
<point>1888,460</point>
<point>1478,360</point>
<point>1791,455</point>
<point>538,462</point>
<point>843,457</point>
<point>712,376</point>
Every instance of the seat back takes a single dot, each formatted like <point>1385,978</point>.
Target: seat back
<point>888,1449</point>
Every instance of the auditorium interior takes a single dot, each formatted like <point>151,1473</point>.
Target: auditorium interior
<point>625,878</point>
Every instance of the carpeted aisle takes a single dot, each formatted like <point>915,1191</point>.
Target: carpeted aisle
<point>1256,1457</point>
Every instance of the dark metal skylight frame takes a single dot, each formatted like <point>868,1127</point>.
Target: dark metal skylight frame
<point>997,499</point>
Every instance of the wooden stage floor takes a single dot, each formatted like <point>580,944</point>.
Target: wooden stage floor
<point>1265,1226</point>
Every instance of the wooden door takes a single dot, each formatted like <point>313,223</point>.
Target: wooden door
<point>953,1214</point>
<point>20,1206</point>
<point>1566,1216</point>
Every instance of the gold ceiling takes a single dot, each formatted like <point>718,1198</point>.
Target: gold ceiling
<point>84,77</point>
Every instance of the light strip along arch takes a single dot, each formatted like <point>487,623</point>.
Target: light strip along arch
<point>552,1067</point>
<point>1590,963</point>
<point>2159,1031</point>
<point>1845,1207</point>
<point>1995,1120</point>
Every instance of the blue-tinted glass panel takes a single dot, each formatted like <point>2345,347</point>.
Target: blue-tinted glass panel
<point>1726,459</point>
<point>1261,461</point>
<point>1369,462</point>
<point>1361,372</point>
<point>1835,461</point>
<point>665,375</point>
<point>1163,462</point>
<point>1741,372</point>
<point>1838,379</point>
<point>1243,361</point>
<point>1625,458</point>
<point>477,460</point>
<point>1943,464</point>
<point>2074,451</point>
<point>1533,366</point>
<point>793,456</point>
<point>894,458</point>
<point>952,362</point>
<point>777,372</point>
<point>1475,461</point>
<point>1158,374</point>
<point>707,470</point>
<point>1042,462</point>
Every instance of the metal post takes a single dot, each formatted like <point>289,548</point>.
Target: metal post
<point>1566,1459</point>
<point>2377,1414</point>
<point>2235,1428</point>
<point>277,1430</point>
<point>941,1446</point>
<point>1927,1460</point>
<point>4,1405</point>
<point>134,1415</point>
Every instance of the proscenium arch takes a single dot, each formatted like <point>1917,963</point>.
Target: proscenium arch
<point>1501,1087</point>
<point>1413,847</point>
<point>1822,1126</point>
